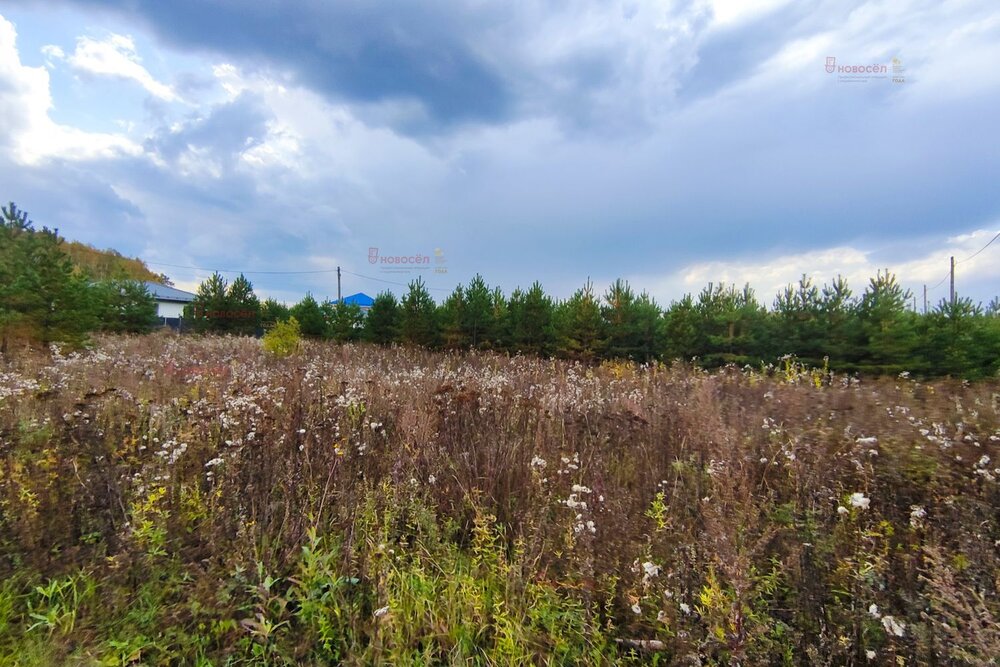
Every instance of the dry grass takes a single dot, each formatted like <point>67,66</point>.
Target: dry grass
<point>692,515</point>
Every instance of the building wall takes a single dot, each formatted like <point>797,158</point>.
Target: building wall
<point>170,309</point>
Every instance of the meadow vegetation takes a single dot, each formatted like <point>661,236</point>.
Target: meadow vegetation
<point>329,503</point>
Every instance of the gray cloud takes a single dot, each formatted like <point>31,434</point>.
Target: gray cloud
<point>544,141</point>
<point>356,51</point>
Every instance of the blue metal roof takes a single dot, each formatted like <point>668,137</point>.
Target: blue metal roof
<point>361,299</point>
<point>164,293</point>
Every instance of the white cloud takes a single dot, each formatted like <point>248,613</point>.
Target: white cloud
<point>281,148</point>
<point>198,162</point>
<point>732,12</point>
<point>52,53</point>
<point>317,139</point>
<point>116,57</point>
<point>234,82</point>
<point>25,126</point>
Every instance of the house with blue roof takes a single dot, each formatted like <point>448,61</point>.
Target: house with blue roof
<point>360,299</point>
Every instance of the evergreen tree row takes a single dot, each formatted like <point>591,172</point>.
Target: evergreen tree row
<point>45,298</point>
<point>874,332</point>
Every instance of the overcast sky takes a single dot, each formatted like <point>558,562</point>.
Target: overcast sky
<point>668,143</point>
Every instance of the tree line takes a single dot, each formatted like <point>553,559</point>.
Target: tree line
<point>45,297</point>
<point>874,332</point>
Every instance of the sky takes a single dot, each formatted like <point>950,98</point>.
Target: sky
<point>671,144</point>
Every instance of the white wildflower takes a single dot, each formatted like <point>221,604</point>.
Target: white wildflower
<point>842,510</point>
<point>685,607</point>
<point>892,626</point>
<point>873,611</point>
<point>870,654</point>
<point>381,611</point>
<point>577,488</point>
<point>917,514</point>
<point>661,616</point>
<point>214,462</point>
<point>636,608</point>
<point>538,462</point>
<point>431,479</point>
<point>860,501</point>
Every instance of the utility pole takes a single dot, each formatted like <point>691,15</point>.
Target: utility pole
<point>925,298</point>
<point>339,298</point>
<point>953,280</point>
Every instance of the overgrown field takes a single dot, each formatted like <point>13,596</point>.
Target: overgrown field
<point>170,500</point>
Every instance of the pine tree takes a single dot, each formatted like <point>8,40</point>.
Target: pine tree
<point>478,325</point>
<point>582,330</point>
<point>499,335</point>
<point>347,322</point>
<point>530,321</point>
<point>649,328</point>
<point>948,338</point>
<point>887,328</point>
<point>272,312</point>
<point>210,300</point>
<point>734,323</point>
<point>41,297</point>
<point>620,319</point>
<point>418,316</point>
<point>124,306</point>
<point>682,331</point>
<point>243,308</point>
<point>796,320</point>
<point>382,321</point>
<point>839,328</point>
<point>312,321</point>
<point>451,317</point>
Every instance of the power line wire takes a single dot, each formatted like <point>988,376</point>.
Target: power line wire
<point>947,275</point>
<point>930,289</point>
<point>995,237</point>
<point>272,273</point>
<point>390,282</point>
<point>286,273</point>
